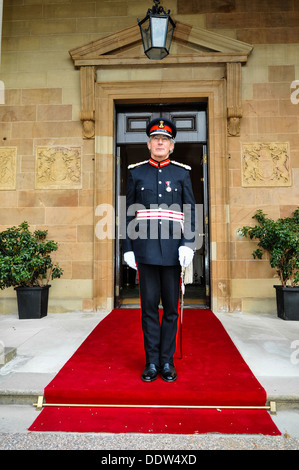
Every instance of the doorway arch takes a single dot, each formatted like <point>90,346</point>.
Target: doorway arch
<point>110,94</point>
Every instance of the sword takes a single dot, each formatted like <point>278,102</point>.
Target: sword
<point>182,308</point>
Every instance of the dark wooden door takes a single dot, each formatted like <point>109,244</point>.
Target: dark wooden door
<point>190,148</point>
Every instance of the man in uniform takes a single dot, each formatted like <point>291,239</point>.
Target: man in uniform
<point>161,206</point>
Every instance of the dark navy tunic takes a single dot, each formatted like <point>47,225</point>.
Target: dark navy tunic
<point>152,185</point>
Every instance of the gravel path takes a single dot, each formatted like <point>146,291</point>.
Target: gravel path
<point>133,442</point>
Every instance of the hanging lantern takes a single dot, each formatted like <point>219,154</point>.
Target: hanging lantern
<point>156,32</point>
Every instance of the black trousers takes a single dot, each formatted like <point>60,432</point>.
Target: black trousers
<point>155,283</point>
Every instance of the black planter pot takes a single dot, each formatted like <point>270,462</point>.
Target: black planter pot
<point>32,301</point>
<point>287,301</point>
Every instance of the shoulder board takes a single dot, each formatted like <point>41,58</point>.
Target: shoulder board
<point>134,165</point>
<point>187,167</point>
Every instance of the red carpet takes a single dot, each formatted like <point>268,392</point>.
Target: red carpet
<point>106,369</point>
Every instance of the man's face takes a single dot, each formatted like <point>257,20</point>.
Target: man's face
<point>160,147</point>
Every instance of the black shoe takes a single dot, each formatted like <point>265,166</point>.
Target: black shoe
<point>150,373</point>
<point>168,372</point>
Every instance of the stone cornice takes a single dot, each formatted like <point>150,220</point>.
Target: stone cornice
<point>203,47</point>
<point>218,48</point>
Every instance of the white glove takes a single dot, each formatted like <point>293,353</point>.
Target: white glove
<point>129,258</point>
<point>185,256</point>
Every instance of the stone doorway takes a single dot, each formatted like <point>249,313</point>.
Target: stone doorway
<point>107,96</point>
<point>114,70</point>
<point>191,149</point>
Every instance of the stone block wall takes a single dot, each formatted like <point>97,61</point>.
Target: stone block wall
<point>40,123</point>
<point>47,179</point>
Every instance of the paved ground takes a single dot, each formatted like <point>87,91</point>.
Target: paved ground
<point>269,345</point>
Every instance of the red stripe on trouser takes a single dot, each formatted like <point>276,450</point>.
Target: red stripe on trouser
<point>178,349</point>
<point>139,291</point>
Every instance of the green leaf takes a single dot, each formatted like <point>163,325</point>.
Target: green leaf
<point>25,257</point>
<point>280,239</point>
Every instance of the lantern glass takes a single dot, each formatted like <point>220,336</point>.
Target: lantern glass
<point>156,32</point>
<point>159,31</point>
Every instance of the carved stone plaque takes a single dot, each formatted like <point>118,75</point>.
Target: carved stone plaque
<point>58,167</point>
<point>266,164</point>
<point>8,168</point>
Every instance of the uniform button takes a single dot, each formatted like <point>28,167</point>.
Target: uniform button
<point>160,182</point>
<point>160,171</point>
<point>160,195</point>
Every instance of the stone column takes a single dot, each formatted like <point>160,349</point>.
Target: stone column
<point>234,107</point>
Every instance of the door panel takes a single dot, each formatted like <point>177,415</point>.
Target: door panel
<point>131,127</point>
<point>191,125</point>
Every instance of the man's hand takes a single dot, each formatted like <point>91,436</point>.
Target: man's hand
<point>185,256</point>
<point>129,258</point>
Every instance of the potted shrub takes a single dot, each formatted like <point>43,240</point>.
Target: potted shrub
<point>280,239</point>
<point>26,265</point>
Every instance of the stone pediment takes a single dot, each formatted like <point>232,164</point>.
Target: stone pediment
<point>190,45</point>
